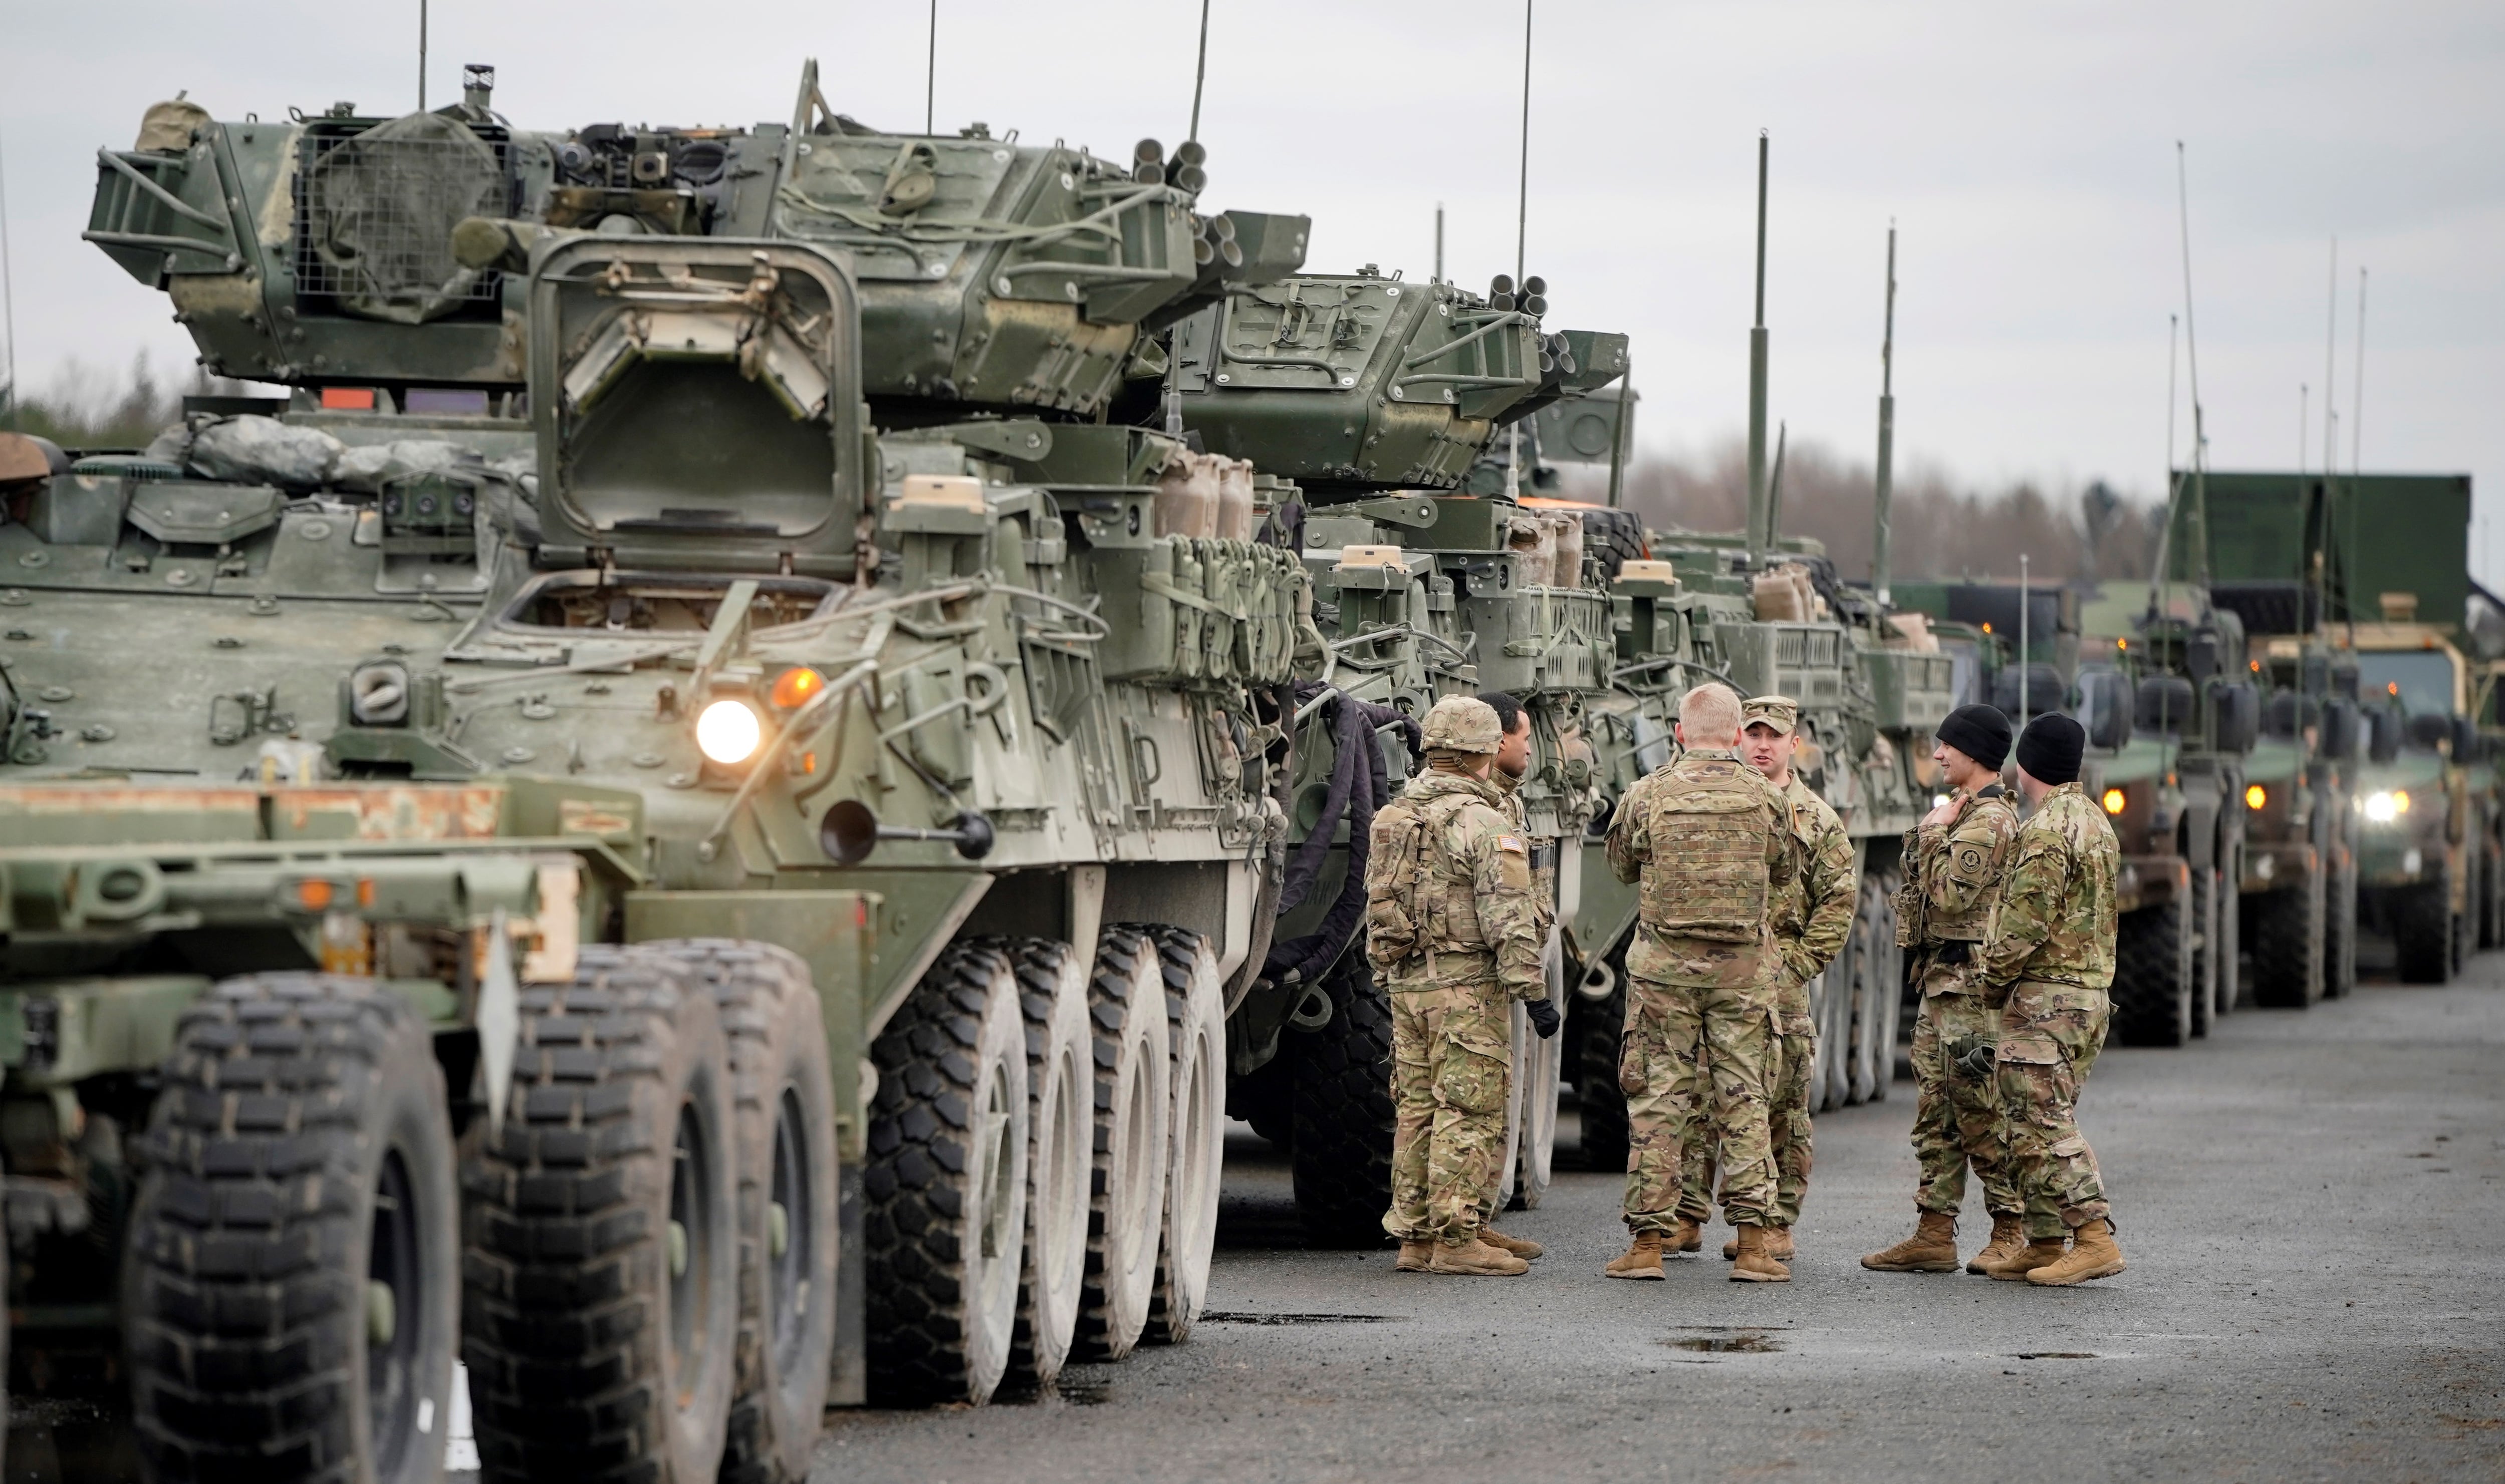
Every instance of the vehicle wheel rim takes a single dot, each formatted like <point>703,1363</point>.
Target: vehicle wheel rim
<point>692,1234</point>
<point>394,1309</point>
<point>1064,1183</point>
<point>796,1229</point>
<point>1139,1174</point>
<point>996,1256</point>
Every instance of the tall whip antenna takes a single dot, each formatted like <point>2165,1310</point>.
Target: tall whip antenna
<point>1521,239</point>
<point>2357,387</point>
<point>931,74</point>
<point>8,296</point>
<point>1758,540</point>
<point>421,56</point>
<point>2173,480</point>
<point>2191,363</point>
<point>2331,349</point>
<point>1884,490</point>
<point>1199,71</point>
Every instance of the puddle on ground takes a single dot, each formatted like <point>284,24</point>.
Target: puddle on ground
<point>2057,1355</point>
<point>1084,1393</point>
<point>1247,1317</point>
<point>1728,1342</point>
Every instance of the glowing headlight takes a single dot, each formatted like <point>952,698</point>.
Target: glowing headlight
<point>2385,808</point>
<point>728,732</point>
<point>2114,801</point>
<point>2255,795</point>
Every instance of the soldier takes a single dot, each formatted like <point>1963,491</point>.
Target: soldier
<point>2052,954</point>
<point>1954,859</point>
<point>1452,930</point>
<point>1812,919</point>
<point>1709,839</point>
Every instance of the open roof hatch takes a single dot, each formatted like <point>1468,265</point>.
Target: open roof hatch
<point>698,404</point>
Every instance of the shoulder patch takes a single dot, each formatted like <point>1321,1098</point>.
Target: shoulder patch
<point>1512,842</point>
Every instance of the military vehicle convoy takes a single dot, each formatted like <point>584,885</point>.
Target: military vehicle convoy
<point>708,805</point>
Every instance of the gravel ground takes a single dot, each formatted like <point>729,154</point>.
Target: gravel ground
<point>2309,1201</point>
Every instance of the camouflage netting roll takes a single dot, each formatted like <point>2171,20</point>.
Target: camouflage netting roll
<point>382,206</point>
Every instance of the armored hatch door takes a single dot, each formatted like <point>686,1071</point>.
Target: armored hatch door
<point>835,185</point>
<point>697,405</point>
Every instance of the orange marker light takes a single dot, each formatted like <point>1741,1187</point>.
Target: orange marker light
<point>795,686</point>
<point>1986,628</point>
<point>2257,667</point>
<point>2400,800</point>
<point>2392,688</point>
<point>366,891</point>
<point>2255,795</point>
<point>2113,801</point>
<point>314,896</point>
<point>347,399</point>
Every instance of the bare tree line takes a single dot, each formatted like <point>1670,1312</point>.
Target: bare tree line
<point>1938,529</point>
<point>99,407</point>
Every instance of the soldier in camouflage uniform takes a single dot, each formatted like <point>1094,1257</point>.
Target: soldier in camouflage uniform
<point>1453,932</point>
<point>1955,860</point>
<point>1812,919</point>
<point>1709,839</point>
<point>2052,953</point>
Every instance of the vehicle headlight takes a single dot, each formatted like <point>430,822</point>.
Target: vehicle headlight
<point>2256,796</point>
<point>727,732</point>
<point>2114,801</point>
<point>2384,806</point>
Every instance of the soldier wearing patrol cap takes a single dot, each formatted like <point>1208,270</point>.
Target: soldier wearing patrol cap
<point>1454,931</point>
<point>1812,918</point>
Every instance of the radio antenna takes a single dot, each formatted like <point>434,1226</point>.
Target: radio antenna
<point>2191,363</point>
<point>8,296</point>
<point>1521,239</point>
<point>930,71</point>
<point>1883,490</point>
<point>421,56</point>
<point>1199,70</point>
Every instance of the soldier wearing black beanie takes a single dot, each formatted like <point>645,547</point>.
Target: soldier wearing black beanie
<point>2050,750</point>
<point>1979,732</point>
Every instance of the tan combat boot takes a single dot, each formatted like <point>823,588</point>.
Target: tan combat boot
<point>2093,1255</point>
<point>2025,1259</point>
<point>1640,1259</point>
<point>1931,1249</point>
<point>1755,1264</point>
<point>1415,1253</point>
<point>1475,1259</point>
<point>1525,1250</point>
<point>2009,1234</point>
<point>1779,1245</point>
<point>1686,1236</point>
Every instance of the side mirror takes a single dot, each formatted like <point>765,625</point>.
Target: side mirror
<point>2234,709</point>
<point>2337,739</point>
<point>2105,708</point>
<point>2164,704</point>
<point>2385,743</point>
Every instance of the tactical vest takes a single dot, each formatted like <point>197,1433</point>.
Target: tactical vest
<point>1708,877</point>
<point>1974,923</point>
<point>1417,898</point>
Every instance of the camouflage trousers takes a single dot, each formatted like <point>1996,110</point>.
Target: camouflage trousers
<point>2050,1035</point>
<point>1452,1058</point>
<point>1695,1063</point>
<point>1956,1114</point>
<point>1794,1049</point>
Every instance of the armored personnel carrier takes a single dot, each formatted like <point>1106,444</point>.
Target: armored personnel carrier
<point>690,728</point>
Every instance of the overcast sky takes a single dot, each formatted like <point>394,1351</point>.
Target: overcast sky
<point>2026,152</point>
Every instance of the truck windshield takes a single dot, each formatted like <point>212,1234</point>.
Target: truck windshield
<point>2423,679</point>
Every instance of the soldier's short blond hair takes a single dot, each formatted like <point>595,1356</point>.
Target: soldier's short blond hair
<point>1710,715</point>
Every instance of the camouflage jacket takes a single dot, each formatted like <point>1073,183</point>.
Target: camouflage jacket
<point>1449,893</point>
<point>2056,922</point>
<point>1543,852</point>
<point>1814,914</point>
<point>1710,842</point>
<point>1955,872</point>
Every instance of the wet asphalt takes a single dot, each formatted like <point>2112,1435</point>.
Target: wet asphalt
<point>2313,1204</point>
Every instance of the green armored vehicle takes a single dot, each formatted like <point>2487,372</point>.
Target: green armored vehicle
<point>688,728</point>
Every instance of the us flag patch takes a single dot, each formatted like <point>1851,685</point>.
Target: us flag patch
<point>1512,842</point>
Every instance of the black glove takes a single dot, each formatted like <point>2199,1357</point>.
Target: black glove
<point>1543,1018</point>
<point>1975,1056</point>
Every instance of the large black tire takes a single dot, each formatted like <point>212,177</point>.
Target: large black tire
<point>783,1098</point>
<point>2288,944</point>
<point>2209,907</point>
<point>1344,1114</point>
<point>1195,1131</point>
<point>2339,929</point>
<point>1126,1023</point>
<point>1599,1027</point>
<point>292,1272</point>
<point>1052,999</point>
<point>600,1313</point>
<point>945,1190</point>
<point>2422,931</point>
<point>1878,993</point>
<point>2152,987</point>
